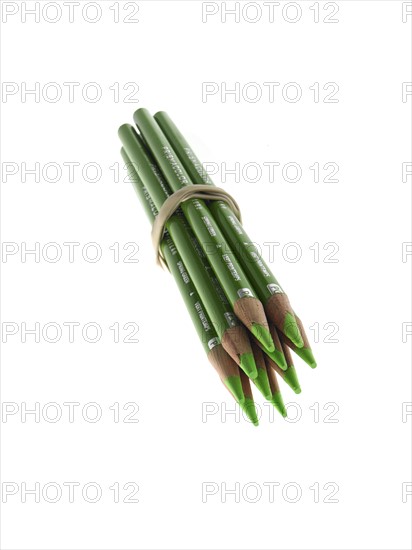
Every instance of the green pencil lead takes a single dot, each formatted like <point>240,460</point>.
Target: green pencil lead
<point>248,365</point>
<point>279,359</point>
<point>234,385</point>
<point>291,378</point>
<point>263,335</point>
<point>248,406</point>
<point>277,402</point>
<point>291,330</point>
<point>262,383</point>
<point>307,355</point>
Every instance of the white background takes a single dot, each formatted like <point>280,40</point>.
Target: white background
<point>173,449</point>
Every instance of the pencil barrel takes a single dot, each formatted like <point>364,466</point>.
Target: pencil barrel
<point>198,313</point>
<point>248,254</point>
<point>215,301</point>
<point>224,262</point>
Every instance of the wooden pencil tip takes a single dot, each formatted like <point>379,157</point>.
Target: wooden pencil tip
<point>262,384</point>
<point>291,330</point>
<point>277,402</point>
<point>248,406</point>
<point>248,365</point>
<point>263,335</point>
<point>250,311</point>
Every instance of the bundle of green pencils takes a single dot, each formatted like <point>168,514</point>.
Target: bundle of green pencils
<point>242,315</point>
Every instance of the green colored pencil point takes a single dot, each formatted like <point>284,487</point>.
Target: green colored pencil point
<point>277,402</point>
<point>263,335</point>
<point>248,365</point>
<point>279,359</point>
<point>262,383</point>
<point>248,407</point>
<point>307,355</point>
<point>291,330</point>
<point>234,385</point>
<point>291,379</point>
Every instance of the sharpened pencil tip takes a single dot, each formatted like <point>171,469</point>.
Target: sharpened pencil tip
<point>248,365</point>
<point>291,330</point>
<point>248,406</point>
<point>291,379</point>
<point>277,402</point>
<point>307,355</point>
<point>279,359</point>
<point>263,335</point>
<point>262,383</point>
<point>234,384</point>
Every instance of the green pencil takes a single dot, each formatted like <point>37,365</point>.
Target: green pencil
<point>273,297</point>
<point>225,366</point>
<point>248,405</point>
<point>231,333</point>
<point>289,375</point>
<point>277,399</point>
<point>304,352</point>
<point>261,379</point>
<point>226,286</point>
<point>272,390</point>
<point>231,276</point>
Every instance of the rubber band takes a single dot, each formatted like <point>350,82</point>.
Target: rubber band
<point>172,203</point>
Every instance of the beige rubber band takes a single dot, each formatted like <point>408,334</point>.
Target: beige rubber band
<point>172,203</point>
